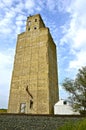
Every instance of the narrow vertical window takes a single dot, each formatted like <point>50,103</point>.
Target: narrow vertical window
<point>28,29</point>
<point>31,104</point>
<point>35,20</point>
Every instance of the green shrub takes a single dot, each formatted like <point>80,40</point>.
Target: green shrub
<point>80,125</point>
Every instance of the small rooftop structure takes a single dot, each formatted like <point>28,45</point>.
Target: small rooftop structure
<point>63,107</point>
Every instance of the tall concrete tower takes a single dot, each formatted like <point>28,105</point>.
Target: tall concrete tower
<point>34,84</point>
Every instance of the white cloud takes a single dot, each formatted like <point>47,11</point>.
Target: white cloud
<point>79,61</point>
<point>14,15</point>
<point>18,8</point>
<point>7,2</point>
<point>75,33</point>
<point>38,8</point>
<point>6,62</point>
<point>4,25</point>
<point>58,5</point>
<point>29,4</point>
<point>80,39</point>
<point>1,5</point>
<point>51,4</point>
<point>63,5</point>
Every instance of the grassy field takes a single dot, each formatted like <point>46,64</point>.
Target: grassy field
<point>79,125</point>
<point>3,110</point>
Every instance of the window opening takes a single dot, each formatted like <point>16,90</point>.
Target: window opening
<point>22,107</point>
<point>35,28</point>
<point>35,20</point>
<point>28,29</point>
<point>31,104</point>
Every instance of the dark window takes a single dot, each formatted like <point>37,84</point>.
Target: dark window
<point>35,28</point>
<point>28,29</point>
<point>31,104</point>
<point>65,102</point>
<point>35,20</point>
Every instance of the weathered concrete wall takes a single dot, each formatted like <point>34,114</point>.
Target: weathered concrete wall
<point>34,122</point>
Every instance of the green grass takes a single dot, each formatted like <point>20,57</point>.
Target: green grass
<point>79,125</point>
<point>3,110</point>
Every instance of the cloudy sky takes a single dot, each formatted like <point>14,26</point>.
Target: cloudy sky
<point>66,20</point>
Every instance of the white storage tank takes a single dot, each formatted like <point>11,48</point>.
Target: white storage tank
<point>63,107</point>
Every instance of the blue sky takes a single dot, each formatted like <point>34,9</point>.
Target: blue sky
<point>66,20</point>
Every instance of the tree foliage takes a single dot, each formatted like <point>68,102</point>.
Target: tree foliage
<point>77,90</point>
